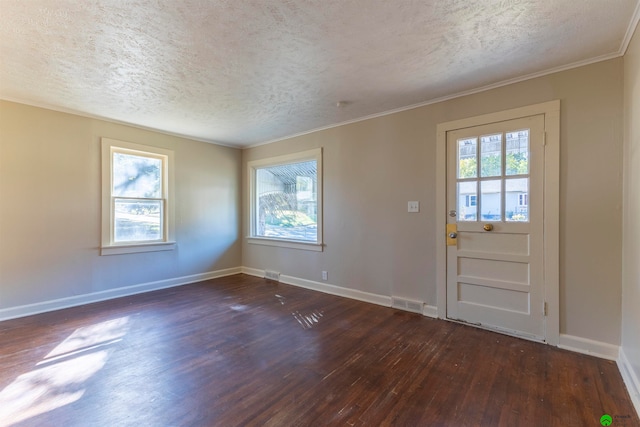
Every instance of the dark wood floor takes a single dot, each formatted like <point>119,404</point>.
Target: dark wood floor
<point>245,351</point>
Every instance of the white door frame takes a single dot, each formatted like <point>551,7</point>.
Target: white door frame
<point>551,245</point>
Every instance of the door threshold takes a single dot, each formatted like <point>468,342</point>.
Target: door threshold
<point>499,330</point>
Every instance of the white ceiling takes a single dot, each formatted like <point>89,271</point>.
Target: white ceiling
<point>244,72</point>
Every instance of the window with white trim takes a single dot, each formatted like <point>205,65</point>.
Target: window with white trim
<point>286,200</point>
<point>137,208</point>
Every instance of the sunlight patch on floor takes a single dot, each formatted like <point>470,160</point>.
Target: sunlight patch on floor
<point>307,321</point>
<point>58,380</point>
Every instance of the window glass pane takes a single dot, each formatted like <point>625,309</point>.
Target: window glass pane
<point>517,161</point>
<point>136,176</point>
<point>517,199</point>
<point>490,200</point>
<point>137,220</point>
<point>468,201</point>
<point>467,158</point>
<point>287,201</point>
<point>491,155</point>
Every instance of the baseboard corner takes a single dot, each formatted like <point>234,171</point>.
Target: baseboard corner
<point>590,347</point>
<point>252,271</point>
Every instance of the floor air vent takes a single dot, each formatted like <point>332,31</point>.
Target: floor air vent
<point>272,275</point>
<point>407,304</point>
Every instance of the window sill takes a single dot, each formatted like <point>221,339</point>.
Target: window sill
<point>137,248</point>
<point>292,244</point>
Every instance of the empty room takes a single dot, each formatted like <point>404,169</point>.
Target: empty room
<point>340,213</point>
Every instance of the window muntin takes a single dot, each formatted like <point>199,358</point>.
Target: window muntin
<point>137,207</point>
<point>286,198</point>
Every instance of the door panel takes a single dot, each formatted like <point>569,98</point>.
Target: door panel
<point>493,297</point>
<point>494,197</point>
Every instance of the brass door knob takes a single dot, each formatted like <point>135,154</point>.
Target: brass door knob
<point>488,227</point>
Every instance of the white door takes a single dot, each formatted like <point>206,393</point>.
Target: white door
<point>495,183</point>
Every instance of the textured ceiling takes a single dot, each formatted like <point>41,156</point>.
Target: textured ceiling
<point>243,72</point>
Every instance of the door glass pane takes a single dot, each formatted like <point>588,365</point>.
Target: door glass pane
<point>468,201</point>
<point>491,155</point>
<point>517,199</point>
<point>491,200</point>
<point>467,158</point>
<point>137,220</point>
<point>517,161</point>
<point>136,176</point>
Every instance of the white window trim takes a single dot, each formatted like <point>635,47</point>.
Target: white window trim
<point>315,154</point>
<point>108,247</point>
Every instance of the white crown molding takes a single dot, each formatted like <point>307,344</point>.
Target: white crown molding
<point>62,303</point>
<point>496,85</point>
<point>113,121</point>
<point>631,29</point>
<point>625,43</point>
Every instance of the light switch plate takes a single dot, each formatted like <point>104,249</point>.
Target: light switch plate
<point>413,207</point>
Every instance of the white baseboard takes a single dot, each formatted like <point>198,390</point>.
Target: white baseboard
<point>386,301</point>
<point>430,311</point>
<point>568,342</point>
<point>590,347</point>
<point>630,378</point>
<point>326,288</point>
<point>337,290</point>
<point>58,304</point>
<point>252,271</point>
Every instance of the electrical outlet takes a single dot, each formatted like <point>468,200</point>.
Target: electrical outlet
<point>325,275</point>
<point>413,207</point>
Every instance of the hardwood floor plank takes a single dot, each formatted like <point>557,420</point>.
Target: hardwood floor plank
<point>244,351</point>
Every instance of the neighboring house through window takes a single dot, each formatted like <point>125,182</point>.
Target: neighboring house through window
<point>523,200</point>
<point>286,200</point>
<point>137,211</point>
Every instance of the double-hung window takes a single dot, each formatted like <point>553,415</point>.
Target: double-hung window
<point>137,211</point>
<point>286,200</point>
